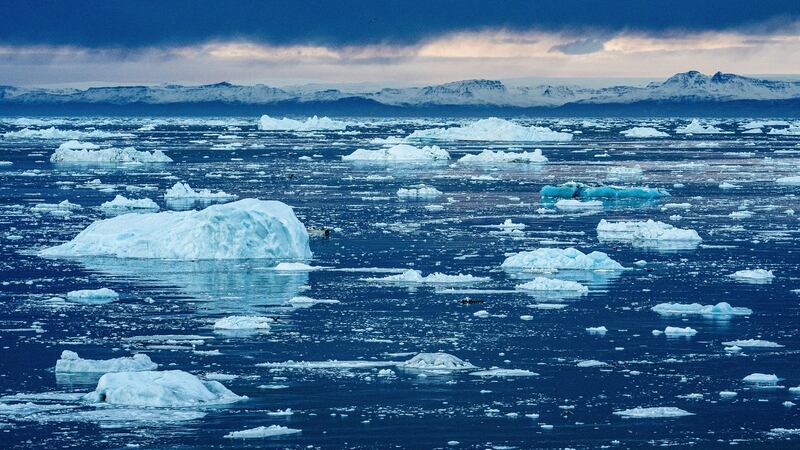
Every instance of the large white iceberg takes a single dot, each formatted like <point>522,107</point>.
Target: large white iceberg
<point>267,123</point>
<point>752,343</point>
<point>753,275</point>
<point>501,157</point>
<point>159,389</point>
<point>695,127</point>
<point>543,284</point>
<point>633,231</point>
<point>243,323</point>
<point>71,153</point>
<point>789,181</point>
<point>70,362</point>
<point>246,229</point>
<point>436,362</point>
<point>643,132</point>
<point>492,129</point>
<point>399,153</point>
<point>181,191</point>
<point>102,295</point>
<point>720,309</point>
<point>656,412</point>
<point>560,259</point>
<point>124,204</point>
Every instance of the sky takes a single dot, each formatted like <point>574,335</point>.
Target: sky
<point>389,42</point>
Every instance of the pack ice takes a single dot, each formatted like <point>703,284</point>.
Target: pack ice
<point>246,229</point>
<point>399,153</point>
<point>560,259</point>
<point>501,157</point>
<point>70,362</point>
<point>492,129</point>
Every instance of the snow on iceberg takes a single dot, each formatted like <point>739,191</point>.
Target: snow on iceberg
<point>243,323</point>
<point>579,190</point>
<point>501,157</point>
<point>246,229</point>
<point>644,232</point>
<point>262,432</point>
<point>267,123</point>
<point>656,412</point>
<point>70,362</point>
<point>492,129</point>
<point>159,389</point>
<point>560,259</point>
<point>720,309</point>
<point>753,276</point>
<point>124,204</point>
<point>112,155</point>
<point>412,276</point>
<point>436,362</point>
<point>420,192</point>
<point>543,284</point>
<point>181,191</point>
<point>102,295</point>
<point>643,132</point>
<point>398,154</point>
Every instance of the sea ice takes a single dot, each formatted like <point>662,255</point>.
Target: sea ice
<point>569,204</point>
<point>420,192</point>
<point>789,181</point>
<point>101,295</point>
<point>575,190</point>
<point>643,132</point>
<point>497,372</point>
<point>761,378</point>
<point>631,231</point>
<point>544,284</point>
<point>752,343</point>
<point>267,123</point>
<point>243,323</point>
<point>70,362</point>
<point>652,412</point>
<point>399,153</point>
<point>720,309</point>
<point>492,129</point>
<point>501,157</point>
<point>753,275</point>
<point>184,191</point>
<point>122,203</point>
<point>695,127</point>
<point>415,276</point>
<point>436,362</point>
<point>112,155</point>
<point>560,259</point>
<point>262,432</point>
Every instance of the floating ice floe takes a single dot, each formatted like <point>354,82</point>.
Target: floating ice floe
<point>501,157</point>
<point>72,154</point>
<point>420,192</point>
<point>183,191</point>
<point>620,172</point>
<point>124,204</point>
<point>720,309</point>
<point>102,295</point>
<point>415,276</point>
<point>55,133</point>
<point>258,323</point>
<point>591,363</point>
<point>695,127</point>
<point>63,206</point>
<point>399,153</point>
<point>497,372</point>
<point>761,378</point>
<point>305,302</point>
<point>601,330</point>
<point>753,275</point>
<point>436,362</point>
<point>649,233</point>
<point>676,331</point>
<point>492,129</point>
<point>643,132</point>
<point>752,343</point>
<point>789,181</point>
<point>552,285</point>
<point>159,389</point>
<point>576,191</point>
<point>656,412</point>
<point>70,362</point>
<point>568,204</point>
<point>294,267</point>
<point>267,123</point>
<point>262,432</point>
<point>246,229</point>
<point>560,259</point>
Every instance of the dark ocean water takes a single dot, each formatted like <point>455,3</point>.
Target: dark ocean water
<point>355,408</point>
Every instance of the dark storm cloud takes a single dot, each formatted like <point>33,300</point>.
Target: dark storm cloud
<point>143,23</point>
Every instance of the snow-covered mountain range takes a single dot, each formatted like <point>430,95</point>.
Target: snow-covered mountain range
<point>688,87</point>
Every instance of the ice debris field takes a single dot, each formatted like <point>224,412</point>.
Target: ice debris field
<point>296,282</point>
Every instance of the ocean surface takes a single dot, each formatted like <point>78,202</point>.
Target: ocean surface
<point>167,309</point>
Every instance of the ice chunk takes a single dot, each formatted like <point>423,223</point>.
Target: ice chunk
<point>721,309</point>
<point>420,192</point>
<point>492,129</point>
<point>601,330</point>
<point>159,389</point>
<point>108,156</point>
<point>501,157</point>
<point>102,295</point>
<point>70,362</point>
<point>591,363</point>
<point>262,432</point>
<point>753,276</point>
<point>752,343</point>
<point>575,190</point>
<point>184,191</point>
<point>245,229</point>
<point>436,362</point>
<point>415,276</point>
<point>267,123</point>
<point>642,232</point>
<point>761,378</point>
<point>497,372</point>
<point>243,323</point>
<point>399,153</point>
<point>643,132</point>
<point>577,205</point>
<point>656,412</point>
<point>122,203</point>
<point>678,331</point>
<point>789,181</point>
<point>560,259</point>
<point>305,302</point>
<point>55,133</point>
<point>544,284</point>
<point>695,127</point>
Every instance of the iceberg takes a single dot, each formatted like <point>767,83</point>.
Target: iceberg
<point>436,362</point>
<point>678,331</point>
<point>568,204</point>
<point>720,309</point>
<point>543,284</point>
<point>501,157</point>
<point>180,191</point>
<point>695,127</point>
<point>159,389</point>
<point>560,259</point>
<point>112,155</point>
<point>262,432</point>
<point>415,276</point>
<point>575,190</point>
<point>102,295</point>
<point>631,231</point>
<point>652,412</point>
<point>70,362</point>
<point>752,343</point>
<point>420,192</point>
<point>497,372</point>
<point>267,123</point>
<point>492,129</point>
<point>398,154</point>
<point>243,323</point>
<point>643,132</point>
<point>789,181</point>
<point>761,378</point>
<point>753,276</point>
<point>124,204</point>
<point>246,229</point>
<point>55,133</point>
